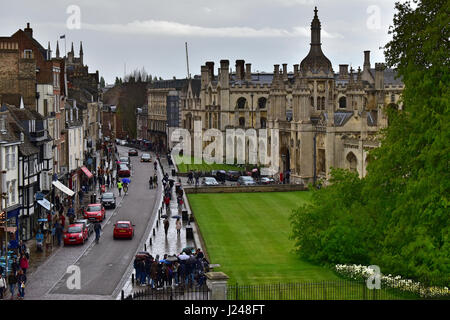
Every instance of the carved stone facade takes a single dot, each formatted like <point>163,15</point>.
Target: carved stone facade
<point>324,119</point>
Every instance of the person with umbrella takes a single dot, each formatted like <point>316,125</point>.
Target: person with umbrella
<point>125,182</point>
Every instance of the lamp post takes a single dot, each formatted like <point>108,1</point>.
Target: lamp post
<point>252,111</point>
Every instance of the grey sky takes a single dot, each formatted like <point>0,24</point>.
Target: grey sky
<point>151,34</point>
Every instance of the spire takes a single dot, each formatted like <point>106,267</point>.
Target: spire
<point>57,49</point>
<point>72,49</point>
<point>81,48</point>
<point>316,60</point>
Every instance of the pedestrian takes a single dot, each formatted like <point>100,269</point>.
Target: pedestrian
<point>12,282</point>
<point>15,266</point>
<point>39,240</point>
<point>150,182</point>
<point>178,226</point>
<point>166,226</point>
<point>63,220</point>
<point>167,201</point>
<point>80,196</point>
<point>71,214</point>
<point>22,247</point>
<point>59,230</point>
<point>155,180</point>
<point>23,262</point>
<point>2,285</point>
<point>175,272</point>
<point>119,187</point>
<point>48,240</point>
<point>21,280</point>
<point>107,181</point>
<point>154,273</point>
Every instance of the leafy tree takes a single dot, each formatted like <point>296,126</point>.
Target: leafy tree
<point>102,82</point>
<point>397,216</point>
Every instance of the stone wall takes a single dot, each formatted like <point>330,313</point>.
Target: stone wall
<point>258,188</point>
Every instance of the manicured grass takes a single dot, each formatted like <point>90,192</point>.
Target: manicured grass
<point>248,235</point>
<point>186,164</point>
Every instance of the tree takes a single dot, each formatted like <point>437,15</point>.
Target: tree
<point>102,82</point>
<point>397,217</point>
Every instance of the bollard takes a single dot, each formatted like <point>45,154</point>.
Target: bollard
<point>157,223</point>
<point>153,231</point>
<point>122,295</point>
<point>150,241</point>
<point>145,247</point>
<point>132,278</point>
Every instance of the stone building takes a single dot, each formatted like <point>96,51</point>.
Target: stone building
<point>164,99</point>
<point>324,119</point>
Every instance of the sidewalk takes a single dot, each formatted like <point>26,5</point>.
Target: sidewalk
<point>172,244</point>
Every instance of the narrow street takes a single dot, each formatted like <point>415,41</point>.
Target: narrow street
<point>102,266</point>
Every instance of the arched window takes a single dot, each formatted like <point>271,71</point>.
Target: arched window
<point>342,102</point>
<point>323,103</point>
<point>242,122</point>
<point>241,103</point>
<point>311,100</point>
<point>352,162</point>
<point>262,102</point>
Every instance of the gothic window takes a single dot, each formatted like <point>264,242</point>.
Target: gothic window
<point>242,122</point>
<point>311,101</point>
<point>262,102</point>
<point>342,102</point>
<point>241,103</point>
<point>392,98</point>
<point>352,162</point>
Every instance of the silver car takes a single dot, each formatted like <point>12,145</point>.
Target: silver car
<point>246,181</point>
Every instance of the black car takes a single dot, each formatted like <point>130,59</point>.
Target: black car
<point>132,152</point>
<point>108,200</point>
<point>88,224</point>
<point>220,175</point>
<point>233,175</point>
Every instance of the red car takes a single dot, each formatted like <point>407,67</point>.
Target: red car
<point>124,171</point>
<point>75,234</point>
<point>123,229</point>
<point>94,211</point>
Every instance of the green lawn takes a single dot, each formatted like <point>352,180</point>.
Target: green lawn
<point>247,234</point>
<point>184,166</point>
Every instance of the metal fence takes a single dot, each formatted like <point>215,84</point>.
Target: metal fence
<point>324,290</point>
<point>170,293</point>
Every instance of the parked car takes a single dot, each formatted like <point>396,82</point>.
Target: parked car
<point>233,175</point>
<point>94,212</point>
<point>267,180</point>
<point>210,181</point>
<point>145,157</point>
<point>124,160</point>
<point>108,200</point>
<point>124,171</point>
<point>123,229</point>
<point>75,234</point>
<point>89,226</point>
<point>132,152</point>
<point>246,181</point>
<point>220,175</point>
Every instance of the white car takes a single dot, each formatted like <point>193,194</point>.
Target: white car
<point>210,181</point>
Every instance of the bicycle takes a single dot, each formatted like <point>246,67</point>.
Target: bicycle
<point>125,188</point>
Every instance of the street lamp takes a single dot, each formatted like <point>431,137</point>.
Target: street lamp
<point>252,111</point>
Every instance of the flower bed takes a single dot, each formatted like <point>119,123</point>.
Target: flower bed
<point>360,272</point>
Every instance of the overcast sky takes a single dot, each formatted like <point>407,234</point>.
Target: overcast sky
<point>151,34</point>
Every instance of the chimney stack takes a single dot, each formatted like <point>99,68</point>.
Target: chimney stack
<point>28,30</point>
<point>248,71</point>
<point>240,69</point>
<point>296,69</point>
<point>366,66</point>
<point>285,74</point>
<point>210,65</point>
<point>343,71</point>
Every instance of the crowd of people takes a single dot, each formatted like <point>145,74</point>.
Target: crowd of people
<point>186,269</point>
<point>17,275</point>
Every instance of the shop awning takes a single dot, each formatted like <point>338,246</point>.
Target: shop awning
<point>45,203</point>
<point>87,172</point>
<point>63,188</point>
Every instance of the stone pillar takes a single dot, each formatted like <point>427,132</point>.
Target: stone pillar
<point>217,283</point>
